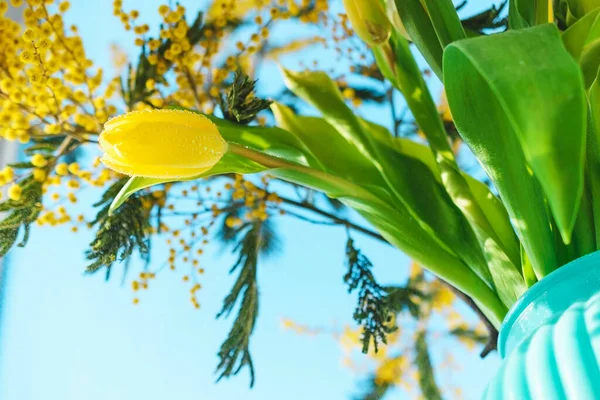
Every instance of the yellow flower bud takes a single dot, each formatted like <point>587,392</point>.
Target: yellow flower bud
<point>14,192</point>
<point>161,144</point>
<point>369,20</point>
<point>39,161</point>
<point>62,169</point>
<point>39,174</point>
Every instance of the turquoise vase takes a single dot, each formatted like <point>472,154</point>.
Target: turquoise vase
<point>550,339</point>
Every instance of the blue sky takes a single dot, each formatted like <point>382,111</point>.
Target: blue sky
<point>67,336</point>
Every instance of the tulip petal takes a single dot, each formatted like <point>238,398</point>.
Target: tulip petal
<point>161,143</point>
<point>153,171</point>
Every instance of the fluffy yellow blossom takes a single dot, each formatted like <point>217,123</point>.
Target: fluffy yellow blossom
<point>39,161</point>
<point>8,174</point>
<point>14,192</point>
<point>62,169</point>
<point>39,174</point>
<point>161,144</point>
<point>74,168</point>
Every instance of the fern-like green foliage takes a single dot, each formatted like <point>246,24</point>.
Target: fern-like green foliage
<point>427,382</point>
<point>21,214</point>
<point>372,311</point>
<point>240,105</point>
<point>405,298</point>
<point>490,19</point>
<point>119,233</point>
<point>251,240</point>
<point>462,332</point>
<point>373,390</point>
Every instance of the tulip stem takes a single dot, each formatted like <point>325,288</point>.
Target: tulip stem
<point>261,158</point>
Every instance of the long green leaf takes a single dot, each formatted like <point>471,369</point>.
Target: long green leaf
<point>500,123</point>
<point>400,229</point>
<point>229,164</point>
<point>409,179</point>
<point>320,138</point>
<point>521,13</point>
<point>394,222</point>
<point>582,41</point>
<point>576,36</point>
<point>577,9</point>
<point>503,263</point>
<point>539,89</point>
<point>593,155</point>
<point>422,33</point>
<point>445,21</point>
<point>316,133</point>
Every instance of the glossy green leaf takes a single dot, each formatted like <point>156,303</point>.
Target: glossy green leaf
<point>320,138</point>
<point>400,229</point>
<point>526,13</point>
<point>229,164</point>
<point>419,190</point>
<point>422,33</point>
<point>494,109</point>
<point>576,36</point>
<point>445,21</point>
<point>520,13</point>
<point>316,131</point>
<point>582,41</point>
<point>577,9</point>
<point>584,237</point>
<point>503,262</point>
<point>540,91</point>
<point>528,272</point>
<point>410,180</point>
<point>270,140</point>
<point>593,155</point>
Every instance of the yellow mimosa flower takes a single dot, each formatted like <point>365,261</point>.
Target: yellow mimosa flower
<point>161,144</point>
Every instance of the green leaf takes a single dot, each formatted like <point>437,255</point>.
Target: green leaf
<point>270,140</point>
<point>400,229</point>
<point>8,237</point>
<point>346,162</point>
<point>492,108</point>
<point>373,310</point>
<point>320,137</point>
<point>229,164</point>
<point>582,41</point>
<point>445,21</point>
<point>528,272</point>
<point>422,33</point>
<point>234,353</point>
<point>520,13</point>
<point>593,155</point>
<point>576,36</point>
<point>408,78</point>
<point>526,13</point>
<point>410,180</point>
<point>431,25</point>
<point>537,75</point>
<point>427,384</point>
<point>577,9</point>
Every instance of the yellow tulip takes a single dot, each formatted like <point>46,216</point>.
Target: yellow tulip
<point>161,144</point>
<point>369,20</point>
